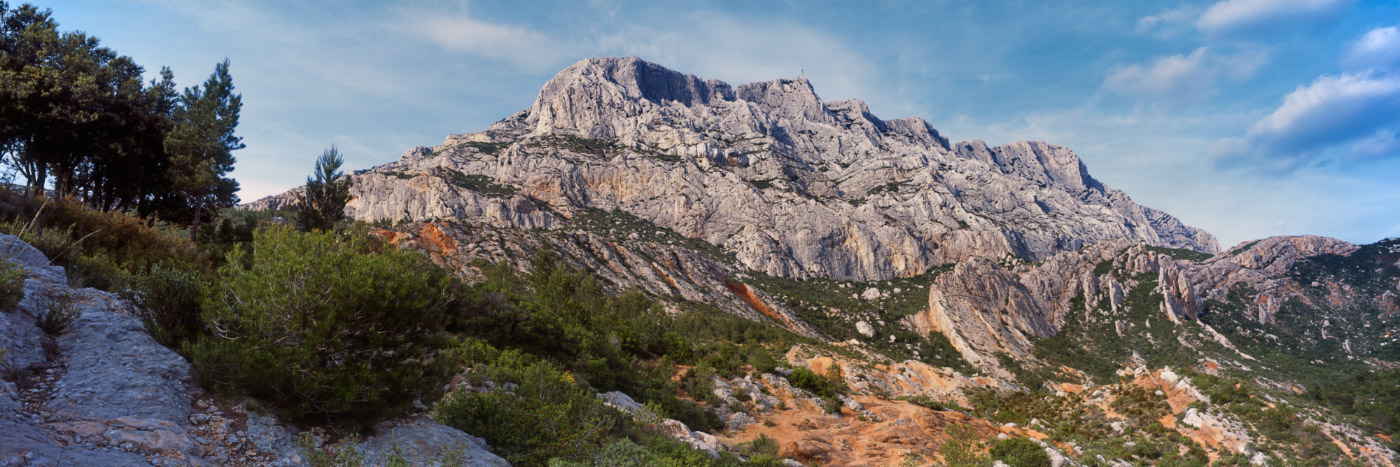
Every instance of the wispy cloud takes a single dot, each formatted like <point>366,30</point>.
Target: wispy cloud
<point>1239,16</point>
<point>1360,107</point>
<point>1332,110</point>
<point>1378,49</point>
<point>520,46</point>
<point>1180,79</point>
<point>709,44</point>
<point>1169,22</point>
<point>1382,143</point>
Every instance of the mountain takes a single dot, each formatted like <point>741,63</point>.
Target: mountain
<point>683,186</point>
<point>998,288</point>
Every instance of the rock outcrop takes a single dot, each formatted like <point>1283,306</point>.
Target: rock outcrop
<point>986,308</point>
<point>103,392</point>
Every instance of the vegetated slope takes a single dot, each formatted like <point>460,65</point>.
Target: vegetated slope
<point>1112,328</point>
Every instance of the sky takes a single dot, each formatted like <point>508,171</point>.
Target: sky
<point>1248,118</point>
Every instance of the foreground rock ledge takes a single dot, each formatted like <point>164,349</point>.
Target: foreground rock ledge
<point>104,393</point>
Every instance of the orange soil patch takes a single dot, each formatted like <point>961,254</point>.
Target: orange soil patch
<point>389,236</point>
<point>1072,388</point>
<point>808,435</point>
<point>821,365</point>
<point>681,371</point>
<point>436,237</point>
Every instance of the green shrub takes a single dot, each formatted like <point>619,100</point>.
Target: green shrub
<point>97,270</point>
<point>826,387</point>
<point>167,300</point>
<point>545,415</point>
<point>654,451</point>
<point>11,284</point>
<point>763,445</point>
<point>963,448</point>
<point>56,313</point>
<point>325,328</point>
<point>1020,452</point>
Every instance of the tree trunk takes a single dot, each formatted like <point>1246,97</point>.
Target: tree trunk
<point>194,225</point>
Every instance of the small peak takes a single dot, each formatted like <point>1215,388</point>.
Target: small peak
<point>792,97</point>
<point>638,79</point>
<point>855,106</point>
<point>919,129</point>
<point>589,95</point>
<point>974,149</point>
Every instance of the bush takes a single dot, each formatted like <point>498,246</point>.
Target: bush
<point>653,452</point>
<point>11,284</point>
<point>763,445</point>
<point>326,328</point>
<point>546,414</point>
<point>824,387</point>
<point>1020,452</point>
<point>99,249</point>
<point>130,241</point>
<point>167,300</point>
<point>56,314</point>
<point>963,448</point>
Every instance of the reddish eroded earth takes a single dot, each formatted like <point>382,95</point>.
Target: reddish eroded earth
<point>806,434</point>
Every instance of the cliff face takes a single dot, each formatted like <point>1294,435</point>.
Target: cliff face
<point>987,309</point>
<point>790,185</point>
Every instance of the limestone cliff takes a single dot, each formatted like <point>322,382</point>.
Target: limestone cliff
<point>789,184</point>
<point>631,169</point>
<point>986,308</point>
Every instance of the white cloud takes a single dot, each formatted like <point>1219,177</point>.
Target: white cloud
<point>1167,22</point>
<point>1384,142</point>
<point>525,48</point>
<point>1379,49</point>
<point>1331,110</point>
<point>1183,78</point>
<point>1248,15</point>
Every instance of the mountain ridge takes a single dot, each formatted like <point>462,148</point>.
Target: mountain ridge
<point>779,134</point>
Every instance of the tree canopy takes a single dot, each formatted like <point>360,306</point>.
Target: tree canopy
<point>78,118</point>
<point>323,202</point>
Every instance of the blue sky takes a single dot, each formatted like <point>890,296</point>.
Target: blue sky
<point>1248,118</point>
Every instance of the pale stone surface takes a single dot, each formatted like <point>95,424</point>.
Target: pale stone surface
<point>865,329</point>
<point>421,441</point>
<point>698,439</point>
<point>620,401</point>
<point>790,185</point>
<point>984,308</point>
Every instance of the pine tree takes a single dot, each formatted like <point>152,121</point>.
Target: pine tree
<point>201,148</point>
<point>323,203</point>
